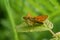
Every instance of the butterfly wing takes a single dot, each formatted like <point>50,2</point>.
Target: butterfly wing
<point>41,18</point>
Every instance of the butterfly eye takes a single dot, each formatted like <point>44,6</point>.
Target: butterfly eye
<point>26,18</point>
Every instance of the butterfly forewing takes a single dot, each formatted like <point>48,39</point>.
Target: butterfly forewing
<point>41,18</point>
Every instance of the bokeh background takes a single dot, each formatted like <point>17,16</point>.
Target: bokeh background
<point>12,12</point>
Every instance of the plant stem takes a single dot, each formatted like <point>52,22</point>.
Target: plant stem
<point>52,32</point>
<point>10,12</point>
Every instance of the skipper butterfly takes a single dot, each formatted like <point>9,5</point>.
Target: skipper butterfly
<point>38,19</point>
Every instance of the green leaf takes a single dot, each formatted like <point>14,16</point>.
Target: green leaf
<point>41,27</point>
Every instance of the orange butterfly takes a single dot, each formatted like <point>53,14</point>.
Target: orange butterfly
<point>37,19</point>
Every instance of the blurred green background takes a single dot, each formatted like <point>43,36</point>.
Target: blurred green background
<point>12,12</point>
